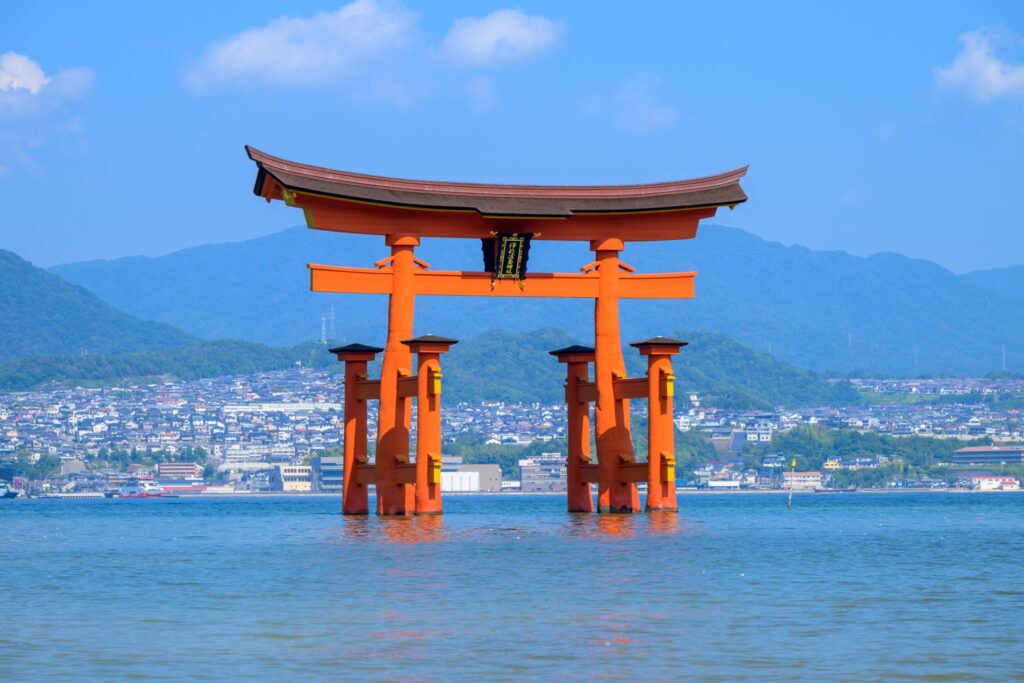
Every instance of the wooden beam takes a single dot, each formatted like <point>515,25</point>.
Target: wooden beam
<point>635,387</point>
<point>349,280</point>
<point>586,391</point>
<point>407,386</point>
<point>366,474</point>
<point>368,389</point>
<point>546,285</point>
<point>352,216</point>
<point>634,472</point>
<point>405,473</point>
<point>340,279</point>
<point>656,286</point>
<point>589,474</point>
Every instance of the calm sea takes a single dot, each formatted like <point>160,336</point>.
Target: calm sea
<point>842,588</point>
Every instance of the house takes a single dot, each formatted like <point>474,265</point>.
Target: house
<point>292,478</point>
<point>801,481</point>
<point>178,471</point>
<point>994,482</point>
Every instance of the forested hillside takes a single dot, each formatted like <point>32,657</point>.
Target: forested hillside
<point>828,311</point>
<point>494,366</point>
<point>1006,283</point>
<point>42,314</point>
<point>191,361</point>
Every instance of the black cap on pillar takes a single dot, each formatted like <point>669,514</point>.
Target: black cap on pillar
<point>429,343</point>
<point>659,345</point>
<point>355,352</point>
<point>574,354</point>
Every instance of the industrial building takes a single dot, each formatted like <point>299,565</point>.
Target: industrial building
<point>327,474</point>
<point>545,473</point>
<point>291,479</point>
<point>178,471</point>
<point>984,455</point>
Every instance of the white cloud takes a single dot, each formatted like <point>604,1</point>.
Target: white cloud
<point>373,50</point>
<point>329,48</point>
<point>18,72</point>
<point>506,36</point>
<point>43,93</point>
<point>35,108</point>
<point>978,71</point>
<point>636,110</point>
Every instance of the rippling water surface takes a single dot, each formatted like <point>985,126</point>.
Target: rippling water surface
<point>843,588</point>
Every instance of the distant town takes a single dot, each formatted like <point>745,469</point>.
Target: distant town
<point>282,432</point>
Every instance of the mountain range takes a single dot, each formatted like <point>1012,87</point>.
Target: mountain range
<point>42,314</point>
<point>56,333</point>
<point>1006,282</point>
<point>824,310</point>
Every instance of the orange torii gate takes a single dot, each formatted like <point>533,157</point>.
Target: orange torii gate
<point>507,218</point>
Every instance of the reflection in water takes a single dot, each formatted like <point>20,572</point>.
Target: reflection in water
<point>659,523</point>
<point>613,524</point>
<point>516,588</point>
<point>663,522</point>
<point>413,529</point>
<point>356,526</point>
<point>409,529</point>
<point>580,524</point>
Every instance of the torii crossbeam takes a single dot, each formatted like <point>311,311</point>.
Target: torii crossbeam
<point>507,218</point>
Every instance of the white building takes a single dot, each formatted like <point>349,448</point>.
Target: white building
<point>982,482</point>
<point>460,482</point>
<point>801,481</point>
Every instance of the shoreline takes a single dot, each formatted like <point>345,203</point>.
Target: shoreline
<point>683,492</point>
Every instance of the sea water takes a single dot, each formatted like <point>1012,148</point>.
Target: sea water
<point>843,587</point>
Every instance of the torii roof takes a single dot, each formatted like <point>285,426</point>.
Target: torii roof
<point>496,200</point>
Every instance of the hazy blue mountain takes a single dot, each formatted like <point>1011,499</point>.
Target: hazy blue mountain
<point>42,314</point>
<point>496,365</point>
<point>1007,283</point>
<point>829,311</point>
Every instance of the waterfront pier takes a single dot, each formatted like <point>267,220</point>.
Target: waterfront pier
<point>508,220</point>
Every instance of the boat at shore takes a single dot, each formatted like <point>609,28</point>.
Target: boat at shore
<point>138,489</point>
<point>6,491</point>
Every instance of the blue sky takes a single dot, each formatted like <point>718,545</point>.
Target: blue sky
<point>868,126</point>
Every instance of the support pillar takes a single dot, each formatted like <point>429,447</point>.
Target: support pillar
<point>355,494</point>
<point>611,414</point>
<point>428,350</point>
<point>394,418</point>
<point>577,360</point>
<point>661,460</point>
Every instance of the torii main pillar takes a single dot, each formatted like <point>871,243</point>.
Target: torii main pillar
<point>394,417</point>
<point>611,413</point>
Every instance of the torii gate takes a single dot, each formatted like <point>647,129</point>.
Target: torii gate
<point>507,218</point>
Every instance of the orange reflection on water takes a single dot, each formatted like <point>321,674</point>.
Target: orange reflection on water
<point>663,522</point>
<point>656,523</point>
<point>613,524</point>
<point>413,529</point>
